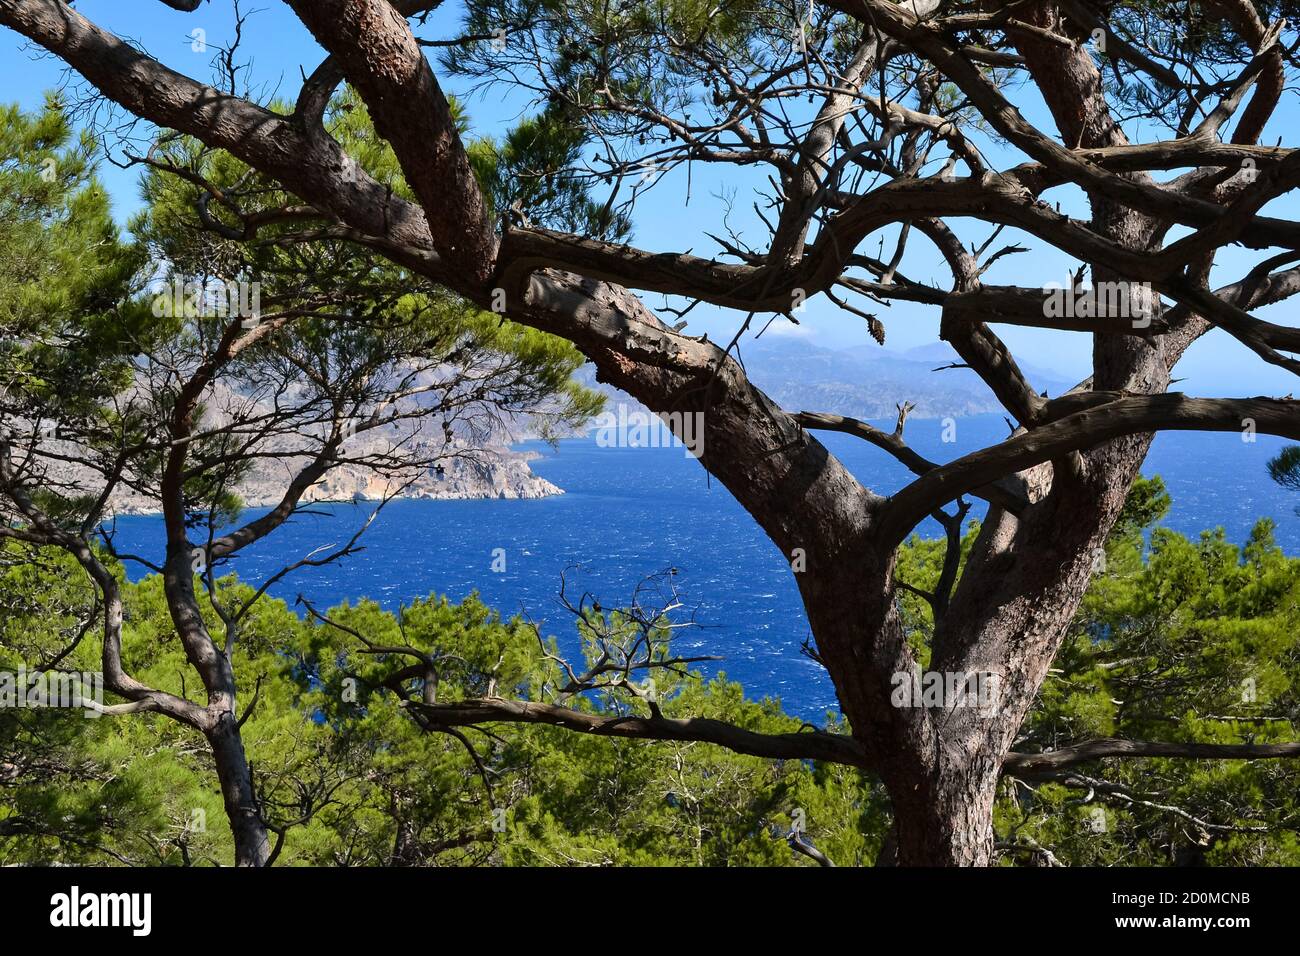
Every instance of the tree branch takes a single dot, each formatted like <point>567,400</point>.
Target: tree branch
<point>1029,765</point>
<point>807,745</point>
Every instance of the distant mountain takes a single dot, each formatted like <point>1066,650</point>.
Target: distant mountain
<point>868,381</point>
<point>463,469</point>
<point>940,353</point>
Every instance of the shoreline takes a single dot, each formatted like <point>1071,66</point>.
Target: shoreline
<point>507,477</point>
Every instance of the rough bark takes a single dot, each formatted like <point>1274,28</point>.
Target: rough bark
<point>252,846</point>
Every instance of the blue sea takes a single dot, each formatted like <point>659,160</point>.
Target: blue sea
<point>631,512</point>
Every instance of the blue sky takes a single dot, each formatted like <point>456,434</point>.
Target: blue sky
<point>279,49</point>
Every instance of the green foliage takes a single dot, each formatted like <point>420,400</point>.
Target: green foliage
<point>66,278</point>
<point>83,347</point>
<point>1177,639</point>
<point>360,325</point>
<point>1284,468</point>
<point>330,742</point>
<point>1196,641</point>
<point>81,789</point>
<point>528,174</point>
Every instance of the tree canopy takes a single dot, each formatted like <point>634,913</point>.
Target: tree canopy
<point>1136,141</point>
<point>1188,640</point>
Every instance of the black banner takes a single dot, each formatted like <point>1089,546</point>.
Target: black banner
<point>142,906</point>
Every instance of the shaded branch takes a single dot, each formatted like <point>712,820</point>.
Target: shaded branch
<point>1029,765</point>
<point>806,745</point>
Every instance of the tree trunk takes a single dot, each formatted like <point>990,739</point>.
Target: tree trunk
<point>405,848</point>
<point>946,821</point>
<point>252,848</point>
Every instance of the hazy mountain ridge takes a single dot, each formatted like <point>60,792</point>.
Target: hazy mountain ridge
<point>866,382</point>
<point>463,469</point>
